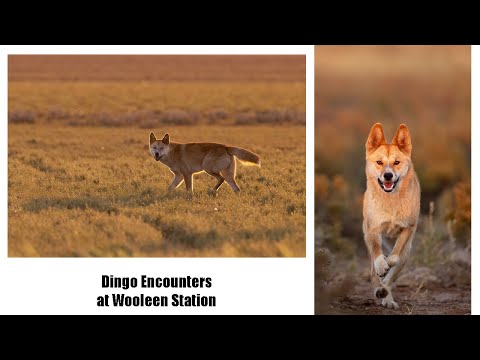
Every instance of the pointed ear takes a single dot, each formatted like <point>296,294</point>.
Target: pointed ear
<point>166,139</point>
<point>375,139</point>
<point>402,140</point>
<point>152,137</point>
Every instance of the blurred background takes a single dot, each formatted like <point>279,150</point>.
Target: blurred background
<point>428,89</point>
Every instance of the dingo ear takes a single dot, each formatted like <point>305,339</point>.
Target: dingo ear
<point>166,139</point>
<point>152,137</point>
<point>375,139</point>
<point>402,140</point>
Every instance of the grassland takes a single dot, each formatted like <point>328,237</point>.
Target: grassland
<point>215,68</point>
<point>427,88</point>
<point>156,104</point>
<point>98,192</point>
<point>82,182</point>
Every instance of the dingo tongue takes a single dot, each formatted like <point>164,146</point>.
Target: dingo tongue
<point>388,185</point>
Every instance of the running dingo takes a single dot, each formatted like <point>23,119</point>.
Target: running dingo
<point>391,206</point>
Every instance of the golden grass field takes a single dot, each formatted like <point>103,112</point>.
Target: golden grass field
<point>80,186</point>
<point>80,98</point>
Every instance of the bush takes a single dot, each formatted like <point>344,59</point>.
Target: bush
<point>21,117</point>
<point>57,113</point>
<point>290,117</point>
<point>215,115</point>
<point>178,117</point>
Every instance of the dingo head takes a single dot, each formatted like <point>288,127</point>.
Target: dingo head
<point>388,163</point>
<point>159,148</point>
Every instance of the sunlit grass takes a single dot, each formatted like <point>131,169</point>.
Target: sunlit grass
<point>98,192</point>
<point>79,98</point>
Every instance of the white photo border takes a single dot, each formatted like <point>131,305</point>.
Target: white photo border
<point>241,285</point>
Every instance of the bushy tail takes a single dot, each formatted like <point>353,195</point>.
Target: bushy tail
<point>244,155</point>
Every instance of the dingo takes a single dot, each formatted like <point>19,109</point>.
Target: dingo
<point>184,160</point>
<point>391,206</point>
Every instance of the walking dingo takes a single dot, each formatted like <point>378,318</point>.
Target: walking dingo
<point>184,160</point>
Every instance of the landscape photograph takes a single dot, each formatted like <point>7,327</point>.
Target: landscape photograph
<point>82,181</point>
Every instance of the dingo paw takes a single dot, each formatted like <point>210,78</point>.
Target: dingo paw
<point>381,266</point>
<point>380,292</point>
<point>392,260</point>
<point>389,303</point>
<point>212,192</point>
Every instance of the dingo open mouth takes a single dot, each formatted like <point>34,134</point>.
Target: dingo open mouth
<point>388,186</point>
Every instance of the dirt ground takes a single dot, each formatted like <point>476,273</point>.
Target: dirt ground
<point>419,291</point>
<point>420,301</point>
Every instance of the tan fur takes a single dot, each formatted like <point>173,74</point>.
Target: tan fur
<point>184,160</point>
<point>391,214</point>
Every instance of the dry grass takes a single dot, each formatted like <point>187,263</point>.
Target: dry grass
<point>138,103</point>
<point>98,192</point>
<point>81,179</point>
<point>224,68</point>
<point>153,91</point>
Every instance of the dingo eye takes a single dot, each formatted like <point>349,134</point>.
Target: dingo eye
<point>379,163</point>
<point>396,162</point>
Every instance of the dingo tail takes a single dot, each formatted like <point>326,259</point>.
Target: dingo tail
<point>244,155</point>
